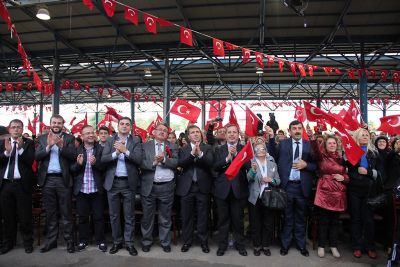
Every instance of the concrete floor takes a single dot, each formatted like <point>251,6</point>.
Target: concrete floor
<point>194,258</point>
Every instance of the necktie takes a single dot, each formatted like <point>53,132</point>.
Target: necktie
<point>11,162</point>
<point>159,148</point>
<point>297,151</point>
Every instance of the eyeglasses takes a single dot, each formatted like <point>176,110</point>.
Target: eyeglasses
<point>16,127</point>
<point>260,149</point>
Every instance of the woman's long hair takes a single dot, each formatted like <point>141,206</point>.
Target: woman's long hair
<point>357,135</point>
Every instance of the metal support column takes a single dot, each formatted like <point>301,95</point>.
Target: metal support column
<point>97,114</point>
<point>56,82</point>
<point>203,107</point>
<point>132,105</point>
<point>319,95</point>
<point>384,109</point>
<point>167,90</point>
<point>363,89</point>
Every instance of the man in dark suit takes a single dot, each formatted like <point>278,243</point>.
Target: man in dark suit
<point>160,159</point>
<point>88,188</point>
<point>16,176</point>
<point>194,187</point>
<point>54,154</point>
<point>230,195</point>
<point>296,169</point>
<point>122,156</point>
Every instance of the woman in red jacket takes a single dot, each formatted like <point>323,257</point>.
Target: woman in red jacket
<point>331,192</point>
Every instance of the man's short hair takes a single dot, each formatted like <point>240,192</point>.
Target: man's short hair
<point>295,122</point>
<point>163,124</point>
<point>232,125</point>
<point>192,127</point>
<point>86,126</point>
<point>16,121</point>
<point>125,118</point>
<point>57,116</point>
<point>103,128</point>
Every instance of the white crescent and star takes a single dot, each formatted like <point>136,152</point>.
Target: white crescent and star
<point>186,33</point>
<point>312,110</point>
<point>132,12</point>
<point>179,109</point>
<point>247,53</point>
<point>218,45</point>
<point>395,124</point>
<point>244,156</point>
<point>108,2</point>
<point>150,21</point>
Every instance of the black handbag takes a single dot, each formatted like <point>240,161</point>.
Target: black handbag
<point>274,198</point>
<point>377,201</point>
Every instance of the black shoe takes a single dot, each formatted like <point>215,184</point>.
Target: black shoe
<point>284,251</point>
<point>5,249</point>
<point>242,251</point>
<point>185,247</point>
<point>146,248</point>
<point>70,247</point>
<point>267,252</point>
<point>257,251</point>
<point>102,247</point>
<point>81,246</point>
<point>166,249</point>
<point>220,252</point>
<point>28,249</point>
<point>47,248</point>
<point>304,252</point>
<point>132,250</point>
<point>205,248</point>
<point>114,249</point>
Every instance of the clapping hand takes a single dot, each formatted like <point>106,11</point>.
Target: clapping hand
<point>79,159</point>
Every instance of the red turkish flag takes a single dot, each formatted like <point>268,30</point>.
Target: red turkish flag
<point>151,127</point>
<point>244,155</point>
<point>300,114</point>
<point>351,74</point>
<point>186,36</point>
<point>31,128</point>
<point>111,111</point>
<point>217,125</point>
<point>292,66</point>
<point>251,123</point>
<point>327,70</point>
<point>310,70</point>
<point>259,59</point>
<point>110,91</point>
<point>100,91</point>
<point>230,46</point>
<point>372,72</point>
<point>107,119</point>
<point>88,3</point>
<point>158,120</point>
<point>300,66</point>
<point>337,71</point>
<point>217,106</point>
<point>395,76</point>
<point>38,82</point>
<point>164,23</point>
<point>43,127</point>
<point>384,74</point>
<point>351,116</point>
<point>150,22</point>
<point>140,132</point>
<point>313,113</point>
<point>72,121</point>
<point>353,151</point>
<point>218,47</point>
<point>186,110</point>
<point>390,124</point>
<point>232,117</point>
<point>281,63</point>
<point>132,15</point>
<point>271,59</point>
<point>78,127</point>
<point>109,7</point>
<point>246,55</point>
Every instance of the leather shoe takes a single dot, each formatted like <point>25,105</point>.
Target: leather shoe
<point>205,248</point>
<point>372,254</point>
<point>70,247</point>
<point>28,249</point>
<point>357,253</point>
<point>267,252</point>
<point>146,248</point>
<point>5,249</point>
<point>166,249</point>
<point>284,251</point>
<point>132,251</point>
<point>304,252</point>
<point>257,251</point>
<point>114,249</point>
<point>220,252</point>
<point>47,248</point>
<point>242,251</point>
<point>185,247</point>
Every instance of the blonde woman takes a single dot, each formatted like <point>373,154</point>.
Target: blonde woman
<point>362,185</point>
<point>262,175</point>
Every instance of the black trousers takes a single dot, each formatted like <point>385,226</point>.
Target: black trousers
<point>262,223</point>
<point>195,201</point>
<point>362,222</point>
<point>57,200</point>
<point>230,212</point>
<point>16,206</point>
<point>86,205</point>
<point>328,227</point>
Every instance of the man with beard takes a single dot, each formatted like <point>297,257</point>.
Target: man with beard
<point>16,175</point>
<point>296,169</point>
<point>55,154</point>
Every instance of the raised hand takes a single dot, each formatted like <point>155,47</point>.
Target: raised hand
<point>79,159</point>
<point>7,145</point>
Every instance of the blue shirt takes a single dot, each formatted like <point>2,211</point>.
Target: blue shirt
<point>54,163</point>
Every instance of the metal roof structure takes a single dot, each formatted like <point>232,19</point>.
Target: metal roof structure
<point>91,48</point>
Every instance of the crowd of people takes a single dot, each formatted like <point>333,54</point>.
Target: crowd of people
<point>103,171</point>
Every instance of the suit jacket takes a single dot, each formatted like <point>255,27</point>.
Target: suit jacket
<point>98,168</point>
<point>132,162</point>
<point>25,161</point>
<point>203,167</point>
<point>255,180</point>
<point>148,170</point>
<point>67,155</point>
<point>285,161</point>
<point>222,186</point>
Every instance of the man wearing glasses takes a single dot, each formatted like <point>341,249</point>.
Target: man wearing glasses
<point>122,155</point>
<point>160,159</point>
<point>16,175</point>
